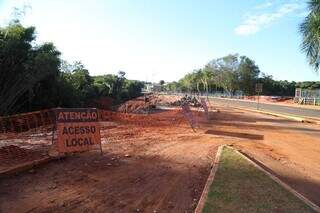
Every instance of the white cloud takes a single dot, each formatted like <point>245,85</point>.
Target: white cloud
<point>254,23</point>
<point>264,5</point>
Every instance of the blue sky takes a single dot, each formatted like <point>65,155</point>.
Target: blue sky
<point>165,39</point>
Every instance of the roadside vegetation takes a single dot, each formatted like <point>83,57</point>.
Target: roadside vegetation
<point>238,186</point>
<point>310,30</point>
<point>231,74</point>
<point>235,75</point>
<point>33,76</point>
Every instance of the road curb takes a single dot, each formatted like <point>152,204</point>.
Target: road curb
<point>204,194</point>
<point>214,169</point>
<point>276,179</point>
<point>295,118</point>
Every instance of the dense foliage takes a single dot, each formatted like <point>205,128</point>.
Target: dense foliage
<point>34,77</point>
<point>228,73</point>
<point>309,85</point>
<point>310,30</point>
<point>231,74</point>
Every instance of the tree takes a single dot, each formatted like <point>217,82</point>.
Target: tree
<point>309,85</point>
<point>227,72</point>
<point>33,77</point>
<point>196,78</point>
<point>310,30</point>
<point>173,86</point>
<point>187,83</point>
<point>248,75</point>
<point>131,89</point>
<point>106,85</point>
<point>118,86</point>
<point>44,92</point>
<point>81,83</point>
<point>207,78</point>
<point>278,88</point>
<point>24,68</point>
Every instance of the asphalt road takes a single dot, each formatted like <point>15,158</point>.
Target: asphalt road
<point>301,112</point>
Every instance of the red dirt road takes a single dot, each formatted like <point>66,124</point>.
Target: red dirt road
<point>163,168</point>
<point>143,169</point>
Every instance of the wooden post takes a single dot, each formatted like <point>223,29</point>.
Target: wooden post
<point>36,121</point>
<point>27,121</point>
<point>258,101</point>
<point>53,131</point>
<point>101,148</point>
<point>12,125</point>
<point>41,118</point>
<point>1,126</point>
<point>49,117</point>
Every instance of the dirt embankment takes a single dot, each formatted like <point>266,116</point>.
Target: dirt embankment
<point>147,104</point>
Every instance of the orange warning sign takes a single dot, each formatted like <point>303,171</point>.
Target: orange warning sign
<point>78,129</point>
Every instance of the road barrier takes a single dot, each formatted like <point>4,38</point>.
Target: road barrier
<point>46,118</point>
<point>139,119</point>
<point>25,121</point>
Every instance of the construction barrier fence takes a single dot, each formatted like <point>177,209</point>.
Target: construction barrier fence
<point>25,121</point>
<point>34,120</point>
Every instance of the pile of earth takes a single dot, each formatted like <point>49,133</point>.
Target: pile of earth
<point>140,105</point>
<point>189,100</point>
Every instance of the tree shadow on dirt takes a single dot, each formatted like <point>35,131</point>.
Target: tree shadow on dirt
<point>263,127</point>
<point>235,134</point>
<point>242,120</point>
<point>243,117</point>
<point>93,183</point>
<point>89,182</point>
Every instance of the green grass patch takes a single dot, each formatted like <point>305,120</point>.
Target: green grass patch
<point>240,187</point>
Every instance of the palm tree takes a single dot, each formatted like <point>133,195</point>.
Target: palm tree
<point>310,30</point>
<point>197,76</point>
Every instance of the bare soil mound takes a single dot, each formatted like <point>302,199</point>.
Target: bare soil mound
<point>139,105</point>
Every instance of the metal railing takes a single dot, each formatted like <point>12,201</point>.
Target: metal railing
<point>307,101</point>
